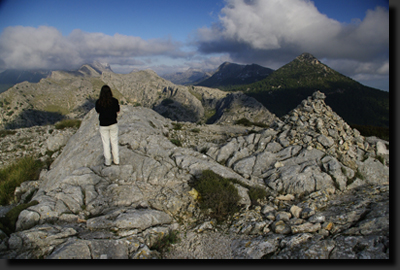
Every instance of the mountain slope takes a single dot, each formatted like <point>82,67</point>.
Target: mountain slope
<point>281,91</point>
<point>190,76</point>
<point>10,77</point>
<point>71,94</point>
<point>229,74</point>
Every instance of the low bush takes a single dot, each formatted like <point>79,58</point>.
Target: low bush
<point>8,222</point>
<point>177,126</point>
<point>244,122</point>
<point>217,194</point>
<point>247,123</point>
<point>255,193</point>
<point>176,142</point>
<point>6,132</point>
<point>163,243</point>
<point>68,123</point>
<point>12,176</point>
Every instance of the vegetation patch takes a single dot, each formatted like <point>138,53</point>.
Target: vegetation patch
<point>56,109</point>
<point>25,169</point>
<point>163,243</point>
<point>195,94</point>
<point>6,132</point>
<point>218,196</point>
<point>177,126</point>
<point>356,175</point>
<point>247,123</point>
<point>176,142</point>
<point>68,123</point>
<point>7,223</point>
<point>255,193</point>
<point>209,116</point>
<point>368,131</point>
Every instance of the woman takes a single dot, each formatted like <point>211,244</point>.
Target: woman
<point>108,107</point>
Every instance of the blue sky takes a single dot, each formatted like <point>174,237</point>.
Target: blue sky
<point>351,36</point>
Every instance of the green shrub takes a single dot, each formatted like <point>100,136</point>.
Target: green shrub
<point>247,123</point>
<point>217,194</point>
<point>256,193</point>
<point>195,130</point>
<point>68,123</point>
<point>6,132</point>
<point>163,243</point>
<point>12,176</point>
<point>244,122</point>
<point>176,142</point>
<point>177,126</point>
<point>7,223</point>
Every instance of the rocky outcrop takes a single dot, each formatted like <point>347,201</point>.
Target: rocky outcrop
<point>316,205</point>
<point>312,149</point>
<point>41,142</point>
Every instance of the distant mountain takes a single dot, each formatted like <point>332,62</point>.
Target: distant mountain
<point>190,76</point>
<point>10,77</point>
<point>230,74</point>
<point>285,88</point>
<point>71,94</point>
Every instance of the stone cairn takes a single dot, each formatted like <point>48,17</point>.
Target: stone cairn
<point>313,124</point>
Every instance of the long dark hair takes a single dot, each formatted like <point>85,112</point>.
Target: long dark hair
<point>105,96</point>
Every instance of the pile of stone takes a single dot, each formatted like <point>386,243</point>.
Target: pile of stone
<point>315,125</point>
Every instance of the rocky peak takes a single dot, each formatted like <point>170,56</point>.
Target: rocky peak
<point>101,67</point>
<point>307,57</point>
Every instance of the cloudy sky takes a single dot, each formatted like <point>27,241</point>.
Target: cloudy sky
<point>350,36</point>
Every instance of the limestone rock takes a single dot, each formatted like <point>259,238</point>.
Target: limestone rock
<point>323,200</point>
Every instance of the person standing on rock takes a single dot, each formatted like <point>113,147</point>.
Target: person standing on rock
<point>108,107</point>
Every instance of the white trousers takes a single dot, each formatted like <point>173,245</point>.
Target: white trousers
<point>109,134</point>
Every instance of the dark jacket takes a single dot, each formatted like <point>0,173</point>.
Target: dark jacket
<point>108,115</point>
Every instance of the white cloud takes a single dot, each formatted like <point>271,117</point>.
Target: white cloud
<point>275,28</point>
<point>45,47</point>
<point>273,32</point>
<point>293,27</point>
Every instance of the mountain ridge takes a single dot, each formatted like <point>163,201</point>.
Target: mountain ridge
<point>71,94</point>
<point>228,74</point>
<point>279,92</point>
<point>293,82</point>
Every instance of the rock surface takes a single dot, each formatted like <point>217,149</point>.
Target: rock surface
<point>327,194</point>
